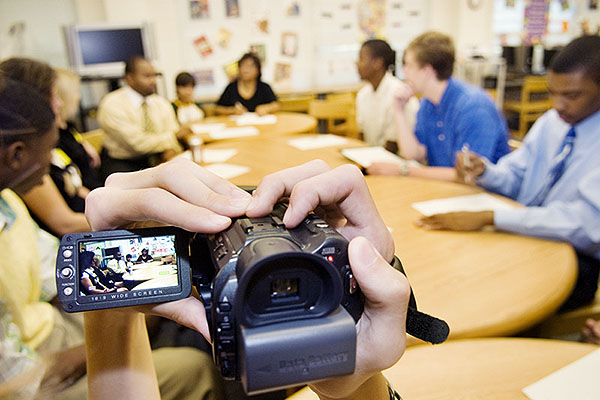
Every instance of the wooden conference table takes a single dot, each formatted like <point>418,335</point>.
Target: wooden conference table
<point>288,123</point>
<point>481,283</point>
<point>490,368</point>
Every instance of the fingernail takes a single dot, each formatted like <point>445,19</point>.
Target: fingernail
<point>219,219</point>
<point>252,204</point>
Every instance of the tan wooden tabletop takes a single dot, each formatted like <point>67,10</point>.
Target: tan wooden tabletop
<point>490,368</point>
<point>288,123</point>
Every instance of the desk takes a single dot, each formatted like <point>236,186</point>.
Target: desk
<point>288,123</point>
<point>482,283</point>
<point>274,153</point>
<point>496,368</point>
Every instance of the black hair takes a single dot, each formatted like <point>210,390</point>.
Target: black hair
<point>23,111</point>
<point>185,79</point>
<point>86,258</point>
<point>582,53</point>
<point>131,63</point>
<point>35,73</point>
<point>253,57</point>
<point>128,256</point>
<point>381,49</point>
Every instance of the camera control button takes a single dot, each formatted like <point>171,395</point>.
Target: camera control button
<point>322,225</point>
<point>224,306</point>
<point>351,282</point>
<point>67,253</point>
<point>66,272</point>
<point>225,326</point>
<point>68,291</point>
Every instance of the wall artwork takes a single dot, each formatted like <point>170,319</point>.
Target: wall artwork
<point>231,70</point>
<point>260,50</point>
<point>283,74</point>
<point>371,18</point>
<point>202,46</point>
<point>204,77</point>
<point>232,8</point>
<point>199,9</point>
<point>289,44</point>
<point>293,10</point>
<point>224,38</point>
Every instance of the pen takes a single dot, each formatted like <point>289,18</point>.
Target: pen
<point>466,162</point>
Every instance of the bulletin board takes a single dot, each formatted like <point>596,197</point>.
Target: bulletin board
<point>303,43</point>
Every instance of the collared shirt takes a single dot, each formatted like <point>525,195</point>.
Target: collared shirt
<point>465,115</point>
<point>121,118</point>
<point>187,112</point>
<point>375,111</point>
<point>117,266</point>
<point>571,210</point>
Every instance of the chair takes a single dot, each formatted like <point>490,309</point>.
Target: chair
<point>296,103</point>
<point>570,322</point>
<point>533,102</point>
<point>332,111</point>
<point>95,138</point>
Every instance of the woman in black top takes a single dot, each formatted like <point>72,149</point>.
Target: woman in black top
<point>248,93</point>
<point>144,257</point>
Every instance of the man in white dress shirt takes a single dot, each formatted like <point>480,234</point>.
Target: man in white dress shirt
<point>140,126</point>
<point>374,102</point>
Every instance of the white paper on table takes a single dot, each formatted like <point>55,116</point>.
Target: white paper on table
<point>212,155</point>
<point>227,171</point>
<point>254,119</point>
<point>578,380</point>
<point>365,156</point>
<point>229,133</point>
<point>317,141</point>
<point>474,202</point>
<point>207,128</point>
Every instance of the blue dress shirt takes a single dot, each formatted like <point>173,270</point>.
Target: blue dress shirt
<point>466,114</point>
<point>571,210</point>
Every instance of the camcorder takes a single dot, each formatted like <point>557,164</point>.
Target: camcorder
<point>281,303</point>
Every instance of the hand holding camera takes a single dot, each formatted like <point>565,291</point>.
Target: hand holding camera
<point>196,200</point>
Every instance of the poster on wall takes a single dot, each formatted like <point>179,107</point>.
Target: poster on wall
<point>224,38</point>
<point>204,77</point>
<point>260,50</point>
<point>232,9</point>
<point>202,46</point>
<point>289,44</point>
<point>293,9</point>
<point>371,18</point>
<point>262,24</point>
<point>231,70</point>
<point>199,9</point>
<point>536,20</point>
<point>283,74</point>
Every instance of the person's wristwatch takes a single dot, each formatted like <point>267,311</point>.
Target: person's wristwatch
<point>404,169</point>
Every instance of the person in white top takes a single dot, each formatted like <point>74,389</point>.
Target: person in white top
<point>187,110</point>
<point>374,102</point>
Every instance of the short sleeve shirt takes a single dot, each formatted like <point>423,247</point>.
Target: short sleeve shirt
<point>263,95</point>
<point>465,115</point>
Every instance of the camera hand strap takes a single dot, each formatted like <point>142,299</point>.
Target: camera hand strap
<point>420,325</point>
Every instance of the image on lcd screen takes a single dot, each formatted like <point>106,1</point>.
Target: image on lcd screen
<point>120,265</point>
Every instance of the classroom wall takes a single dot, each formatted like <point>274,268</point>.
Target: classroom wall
<point>328,32</point>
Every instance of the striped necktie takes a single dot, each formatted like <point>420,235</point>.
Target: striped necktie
<point>148,123</point>
<point>557,169</point>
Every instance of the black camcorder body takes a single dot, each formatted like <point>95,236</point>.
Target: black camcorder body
<point>281,303</point>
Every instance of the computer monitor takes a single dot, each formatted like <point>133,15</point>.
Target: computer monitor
<point>101,50</point>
